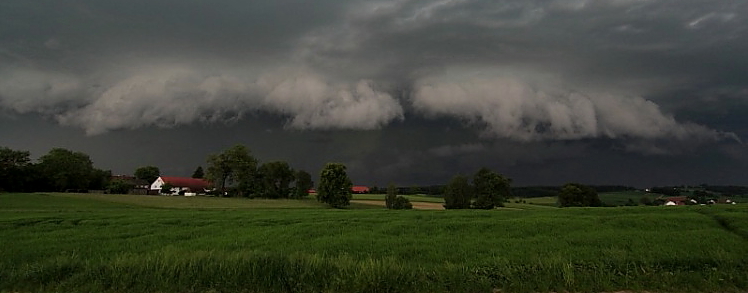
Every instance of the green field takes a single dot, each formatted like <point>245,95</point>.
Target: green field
<point>105,243</point>
<point>620,198</point>
<point>415,198</point>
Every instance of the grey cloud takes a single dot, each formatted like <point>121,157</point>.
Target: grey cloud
<point>569,69</point>
<point>168,96</point>
<point>513,109</point>
<point>29,90</point>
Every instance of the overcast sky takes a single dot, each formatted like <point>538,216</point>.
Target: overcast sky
<point>635,92</point>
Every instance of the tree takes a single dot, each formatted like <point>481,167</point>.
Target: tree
<point>166,188</point>
<point>119,186</point>
<point>578,195</point>
<point>198,172</point>
<point>234,166</point>
<point>457,193</point>
<point>303,183</point>
<point>148,173</point>
<point>100,179</point>
<point>275,178</point>
<point>63,169</point>
<point>334,186</point>
<point>490,189</point>
<point>14,166</point>
<point>391,196</point>
<point>401,203</point>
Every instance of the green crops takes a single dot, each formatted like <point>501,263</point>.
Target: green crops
<point>55,243</point>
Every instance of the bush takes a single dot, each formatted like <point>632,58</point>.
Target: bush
<point>119,186</point>
<point>401,203</point>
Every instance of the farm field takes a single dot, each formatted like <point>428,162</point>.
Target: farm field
<point>620,198</point>
<point>412,198</point>
<point>94,243</point>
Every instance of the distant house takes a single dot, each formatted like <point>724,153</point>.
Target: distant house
<point>360,189</point>
<point>181,185</point>
<point>676,200</point>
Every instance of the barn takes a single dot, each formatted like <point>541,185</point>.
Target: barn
<point>359,189</point>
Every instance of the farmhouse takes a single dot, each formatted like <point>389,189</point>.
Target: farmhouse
<point>675,200</point>
<point>181,185</point>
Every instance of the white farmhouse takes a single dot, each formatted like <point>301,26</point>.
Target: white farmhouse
<point>188,186</point>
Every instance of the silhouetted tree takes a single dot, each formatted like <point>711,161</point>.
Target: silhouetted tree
<point>64,170</point>
<point>147,173</point>
<point>303,183</point>
<point>457,194</point>
<point>14,169</point>
<point>578,195</point>
<point>389,198</point>
<point>276,177</point>
<point>234,166</point>
<point>490,189</point>
<point>334,185</point>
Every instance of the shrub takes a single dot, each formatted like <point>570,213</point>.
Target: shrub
<point>401,203</point>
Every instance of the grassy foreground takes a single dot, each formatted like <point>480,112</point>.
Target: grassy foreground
<point>91,243</point>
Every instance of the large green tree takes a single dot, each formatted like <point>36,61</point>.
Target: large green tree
<point>303,183</point>
<point>14,167</point>
<point>148,173</point>
<point>276,178</point>
<point>63,169</point>
<point>578,195</point>
<point>334,185</point>
<point>490,189</point>
<point>233,167</point>
<point>457,193</point>
<point>100,179</point>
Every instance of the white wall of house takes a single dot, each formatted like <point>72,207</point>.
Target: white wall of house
<point>160,182</point>
<point>156,185</point>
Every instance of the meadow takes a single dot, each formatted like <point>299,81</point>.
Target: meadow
<point>113,243</point>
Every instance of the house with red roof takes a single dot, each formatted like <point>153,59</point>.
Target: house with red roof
<point>181,185</point>
<point>677,201</point>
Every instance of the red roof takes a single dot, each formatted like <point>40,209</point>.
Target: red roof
<point>360,189</point>
<point>193,184</point>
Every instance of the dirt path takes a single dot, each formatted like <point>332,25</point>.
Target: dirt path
<point>416,205</point>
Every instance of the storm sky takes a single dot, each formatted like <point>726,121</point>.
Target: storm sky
<point>634,92</point>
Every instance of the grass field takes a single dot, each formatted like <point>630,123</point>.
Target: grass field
<point>412,198</point>
<point>99,243</point>
<point>620,198</point>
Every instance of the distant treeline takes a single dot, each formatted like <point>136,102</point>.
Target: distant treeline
<point>526,191</point>
<point>724,190</point>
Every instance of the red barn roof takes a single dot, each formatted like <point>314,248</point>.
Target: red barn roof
<point>360,189</point>
<point>193,184</point>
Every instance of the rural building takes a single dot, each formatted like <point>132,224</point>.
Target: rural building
<point>676,200</point>
<point>185,185</point>
<point>360,189</point>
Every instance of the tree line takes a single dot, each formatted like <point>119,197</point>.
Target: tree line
<point>58,170</point>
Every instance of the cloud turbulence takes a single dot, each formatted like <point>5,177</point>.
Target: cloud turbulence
<point>640,73</point>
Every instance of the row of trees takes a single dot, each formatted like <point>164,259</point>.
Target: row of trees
<point>58,170</point>
<point>236,172</point>
<point>488,190</point>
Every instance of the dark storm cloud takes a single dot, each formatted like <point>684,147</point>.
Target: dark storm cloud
<point>646,77</point>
